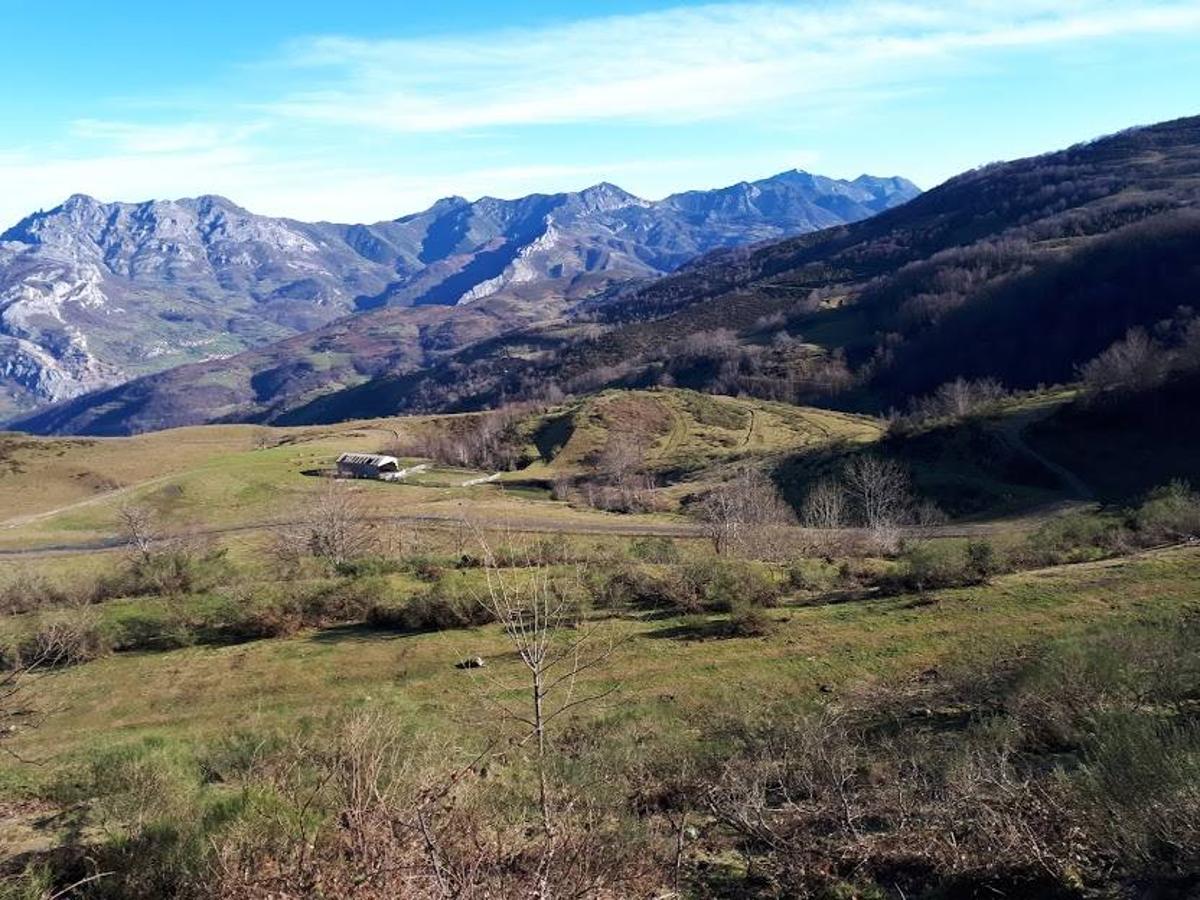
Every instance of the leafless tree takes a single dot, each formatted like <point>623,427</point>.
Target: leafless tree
<point>880,490</point>
<point>622,465</point>
<point>825,505</point>
<point>137,528</point>
<point>541,617</point>
<point>337,529</point>
<point>1133,364</point>
<point>743,511</point>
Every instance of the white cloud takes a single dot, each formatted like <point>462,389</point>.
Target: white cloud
<point>684,64</point>
<point>365,129</point>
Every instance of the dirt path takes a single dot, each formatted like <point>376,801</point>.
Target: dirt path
<point>528,524</point>
<point>750,431</point>
<point>30,518</point>
<point>1012,431</point>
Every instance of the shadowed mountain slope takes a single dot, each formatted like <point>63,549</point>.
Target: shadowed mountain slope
<point>92,294</point>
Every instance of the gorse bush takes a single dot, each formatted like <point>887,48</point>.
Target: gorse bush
<point>936,565</point>
<point>1169,513</point>
<point>1076,537</point>
<point>57,638</point>
<point>653,549</point>
<point>720,585</point>
<point>168,572</point>
<point>447,604</point>
<point>713,585</point>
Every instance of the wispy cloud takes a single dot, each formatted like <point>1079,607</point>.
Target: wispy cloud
<point>354,129</point>
<point>681,65</point>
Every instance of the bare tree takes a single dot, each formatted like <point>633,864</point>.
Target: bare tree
<point>1135,363</point>
<point>137,529</point>
<point>541,618</point>
<point>880,489</point>
<point>825,505</point>
<point>337,529</point>
<point>622,461</point>
<point>743,510</point>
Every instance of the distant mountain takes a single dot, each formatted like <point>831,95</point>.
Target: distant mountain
<point>1018,271</point>
<point>92,294</point>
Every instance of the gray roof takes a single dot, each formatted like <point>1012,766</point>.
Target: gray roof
<point>378,460</point>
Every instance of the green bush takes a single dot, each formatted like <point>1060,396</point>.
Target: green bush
<point>170,572</point>
<point>445,605</point>
<point>654,549</point>
<point>714,585</point>
<point>159,628</point>
<point>748,620</point>
<point>1169,513</point>
<point>259,622</point>
<point>811,575</point>
<point>629,587</point>
<point>348,600</point>
<point>366,566</point>
<point>982,559</point>
<point>58,638</point>
<point>28,592</point>
<point>1075,537</point>
<point>720,585</point>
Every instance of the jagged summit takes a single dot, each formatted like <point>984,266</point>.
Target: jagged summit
<point>94,292</point>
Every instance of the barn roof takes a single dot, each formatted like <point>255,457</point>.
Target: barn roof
<point>378,460</point>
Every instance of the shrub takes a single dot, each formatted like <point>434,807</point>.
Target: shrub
<point>936,565</point>
<point>628,587</point>
<point>269,621</point>
<point>60,638</point>
<point>1075,537</point>
<point>28,592</point>
<point>1169,513</point>
<point>748,620</point>
<point>426,568</point>
<point>810,575</point>
<point>982,559</point>
<point>366,566</point>
<point>156,628</point>
<point>444,606</point>
<point>170,572</point>
<point>654,549</point>
<point>344,600</point>
<point>719,585</point>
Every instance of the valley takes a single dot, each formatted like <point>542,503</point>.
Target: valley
<point>850,552</point>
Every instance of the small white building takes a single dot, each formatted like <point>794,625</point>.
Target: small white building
<point>367,465</point>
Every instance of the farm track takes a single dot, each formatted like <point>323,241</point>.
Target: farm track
<point>1012,431</point>
<point>30,518</point>
<point>525,525</point>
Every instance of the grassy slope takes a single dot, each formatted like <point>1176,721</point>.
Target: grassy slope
<point>666,679</point>
<point>686,431</point>
<point>63,491</point>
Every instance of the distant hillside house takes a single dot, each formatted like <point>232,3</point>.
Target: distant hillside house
<point>367,465</point>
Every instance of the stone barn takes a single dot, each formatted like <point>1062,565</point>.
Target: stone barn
<point>367,465</point>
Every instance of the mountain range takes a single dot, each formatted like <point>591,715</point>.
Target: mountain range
<point>93,294</point>
<point>1019,272</point>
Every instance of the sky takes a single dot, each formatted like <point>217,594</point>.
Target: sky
<point>359,112</point>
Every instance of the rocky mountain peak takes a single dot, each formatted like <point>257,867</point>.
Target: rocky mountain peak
<point>98,292</point>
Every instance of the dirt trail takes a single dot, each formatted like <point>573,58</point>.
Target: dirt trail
<point>1012,430</point>
<point>526,524</point>
<point>30,518</point>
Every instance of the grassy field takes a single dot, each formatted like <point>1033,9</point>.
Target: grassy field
<point>254,645</point>
<point>669,673</point>
<point>62,492</point>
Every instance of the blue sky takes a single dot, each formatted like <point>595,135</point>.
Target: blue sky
<point>360,112</point>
